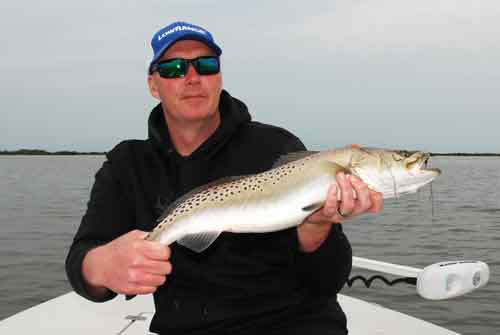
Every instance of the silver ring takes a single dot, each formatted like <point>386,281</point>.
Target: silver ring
<point>342,215</point>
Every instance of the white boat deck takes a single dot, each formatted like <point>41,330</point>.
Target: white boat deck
<point>71,314</point>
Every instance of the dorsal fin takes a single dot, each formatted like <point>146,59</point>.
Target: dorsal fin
<point>293,156</point>
<point>170,208</point>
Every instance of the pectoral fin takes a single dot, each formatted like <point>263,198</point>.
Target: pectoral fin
<point>199,242</point>
<point>313,207</point>
<point>334,168</point>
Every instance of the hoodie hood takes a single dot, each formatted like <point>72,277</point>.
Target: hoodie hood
<point>233,114</point>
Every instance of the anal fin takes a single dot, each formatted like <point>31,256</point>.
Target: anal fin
<point>200,241</point>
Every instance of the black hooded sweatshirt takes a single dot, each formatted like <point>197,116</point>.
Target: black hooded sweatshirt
<point>243,283</point>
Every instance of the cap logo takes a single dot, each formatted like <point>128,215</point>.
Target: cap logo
<point>180,28</point>
<point>168,35</point>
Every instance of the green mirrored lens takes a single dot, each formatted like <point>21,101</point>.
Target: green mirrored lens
<point>207,65</point>
<point>174,68</point>
<point>178,67</point>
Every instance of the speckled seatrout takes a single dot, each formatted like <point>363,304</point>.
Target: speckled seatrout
<point>285,195</point>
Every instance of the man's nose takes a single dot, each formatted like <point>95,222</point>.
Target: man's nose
<point>191,74</point>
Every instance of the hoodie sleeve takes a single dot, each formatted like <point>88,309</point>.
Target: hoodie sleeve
<point>108,216</point>
<point>325,271</point>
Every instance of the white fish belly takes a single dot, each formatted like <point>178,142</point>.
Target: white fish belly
<point>274,213</point>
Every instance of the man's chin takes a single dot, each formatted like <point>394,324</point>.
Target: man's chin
<point>195,103</point>
<point>198,114</point>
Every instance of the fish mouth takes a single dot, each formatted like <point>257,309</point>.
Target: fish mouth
<point>418,164</point>
<point>435,171</point>
<point>423,165</point>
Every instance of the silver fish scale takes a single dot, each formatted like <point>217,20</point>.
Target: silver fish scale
<point>233,191</point>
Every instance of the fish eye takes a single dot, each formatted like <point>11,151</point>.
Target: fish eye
<point>398,157</point>
<point>404,153</point>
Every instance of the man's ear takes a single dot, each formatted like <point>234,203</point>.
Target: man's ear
<point>153,88</point>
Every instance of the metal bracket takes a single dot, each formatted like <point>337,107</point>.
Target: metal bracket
<point>133,318</point>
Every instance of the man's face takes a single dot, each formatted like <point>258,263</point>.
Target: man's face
<point>193,97</point>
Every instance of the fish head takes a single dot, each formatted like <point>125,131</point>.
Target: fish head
<point>392,172</point>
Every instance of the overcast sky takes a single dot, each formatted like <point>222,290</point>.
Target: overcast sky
<point>394,73</point>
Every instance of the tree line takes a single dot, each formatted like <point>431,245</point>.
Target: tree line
<point>38,152</point>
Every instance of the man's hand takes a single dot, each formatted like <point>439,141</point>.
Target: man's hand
<point>128,265</point>
<point>316,227</point>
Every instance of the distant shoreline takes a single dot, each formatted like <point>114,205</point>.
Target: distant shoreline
<point>38,152</point>
<point>466,154</point>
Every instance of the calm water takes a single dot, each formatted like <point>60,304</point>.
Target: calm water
<point>43,198</point>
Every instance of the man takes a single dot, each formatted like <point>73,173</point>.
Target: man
<point>283,282</point>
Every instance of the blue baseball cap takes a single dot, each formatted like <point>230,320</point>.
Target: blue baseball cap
<point>167,36</point>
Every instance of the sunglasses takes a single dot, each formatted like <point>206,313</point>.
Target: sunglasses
<point>178,67</point>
